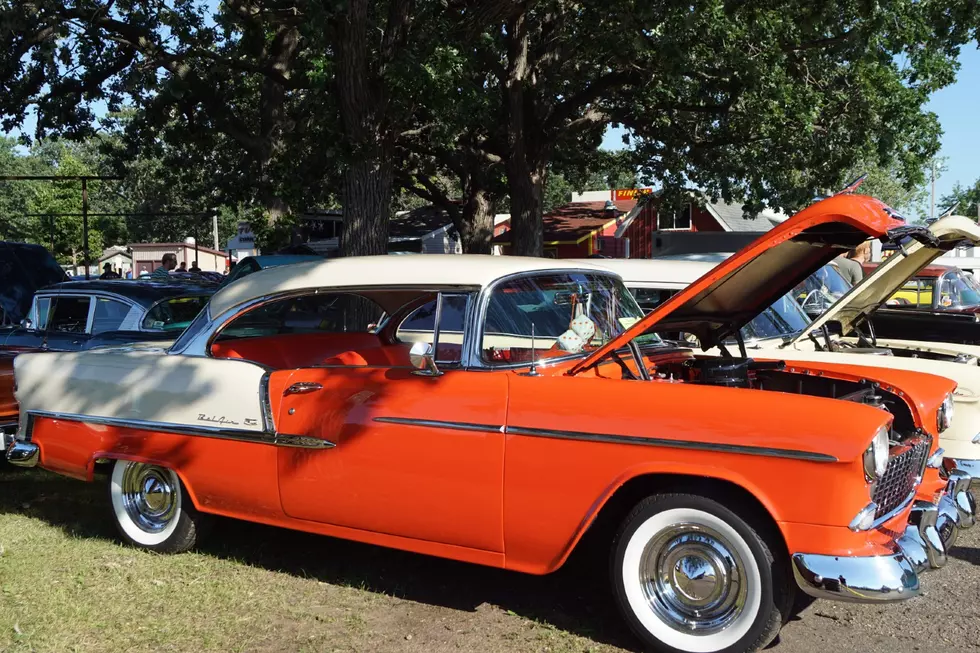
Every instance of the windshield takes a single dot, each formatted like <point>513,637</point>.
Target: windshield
<point>784,318</point>
<point>570,313</point>
<point>174,314</point>
<point>958,290</point>
<point>821,290</point>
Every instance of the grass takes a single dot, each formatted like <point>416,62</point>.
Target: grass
<point>67,584</point>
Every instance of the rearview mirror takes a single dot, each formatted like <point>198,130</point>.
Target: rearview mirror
<point>26,323</point>
<point>423,359</point>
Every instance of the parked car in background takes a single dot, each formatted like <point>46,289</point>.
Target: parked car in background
<point>936,288</point>
<point>79,314</point>
<point>251,264</point>
<point>506,406</point>
<point>23,269</point>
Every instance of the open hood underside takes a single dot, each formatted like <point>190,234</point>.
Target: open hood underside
<point>718,304</point>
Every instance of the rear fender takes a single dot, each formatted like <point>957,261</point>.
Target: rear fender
<point>114,455</point>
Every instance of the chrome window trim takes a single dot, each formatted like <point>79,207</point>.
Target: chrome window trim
<point>241,435</point>
<point>473,357</point>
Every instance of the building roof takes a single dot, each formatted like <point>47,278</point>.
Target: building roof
<point>420,270</point>
<point>732,218</point>
<point>200,248</point>
<point>573,222</point>
<point>113,251</point>
<point>144,293</point>
<point>418,223</point>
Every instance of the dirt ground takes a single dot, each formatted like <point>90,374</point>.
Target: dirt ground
<point>66,584</point>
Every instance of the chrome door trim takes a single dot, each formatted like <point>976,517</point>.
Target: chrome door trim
<point>672,444</point>
<point>440,424</point>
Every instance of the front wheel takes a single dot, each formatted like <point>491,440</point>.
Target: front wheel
<point>692,576</point>
<point>151,509</point>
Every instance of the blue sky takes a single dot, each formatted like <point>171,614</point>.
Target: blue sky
<point>958,109</point>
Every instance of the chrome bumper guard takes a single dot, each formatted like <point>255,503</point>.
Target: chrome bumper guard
<point>931,530</point>
<point>22,454</point>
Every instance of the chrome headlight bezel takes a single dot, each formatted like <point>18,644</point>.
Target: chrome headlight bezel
<point>944,414</point>
<point>876,455</point>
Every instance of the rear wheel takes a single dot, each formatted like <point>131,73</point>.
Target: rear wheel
<point>151,509</point>
<point>692,576</point>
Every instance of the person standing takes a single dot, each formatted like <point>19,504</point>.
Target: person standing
<point>168,263</point>
<point>194,268</point>
<point>108,272</point>
<point>183,267</point>
<point>850,264</point>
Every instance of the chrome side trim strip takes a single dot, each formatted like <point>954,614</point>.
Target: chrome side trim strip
<point>673,444</point>
<point>241,435</point>
<point>438,424</point>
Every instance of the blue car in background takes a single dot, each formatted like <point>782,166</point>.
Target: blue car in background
<point>251,264</point>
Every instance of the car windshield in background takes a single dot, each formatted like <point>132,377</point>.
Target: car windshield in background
<point>174,314</point>
<point>821,290</point>
<point>784,318</point>
<point>570,313</point>
<point>958,290</point>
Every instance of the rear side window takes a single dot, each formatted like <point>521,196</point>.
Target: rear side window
<point>319,313</point>
<point>109,315</point>
<point>174,314</point>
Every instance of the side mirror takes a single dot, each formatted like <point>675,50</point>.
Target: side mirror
<point>423,359</point>
<point>26,323</point>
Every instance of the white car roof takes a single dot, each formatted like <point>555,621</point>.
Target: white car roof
<point>652,271</point>
<point>449,270</point>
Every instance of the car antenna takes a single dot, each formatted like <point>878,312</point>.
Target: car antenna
<point>534,359</point>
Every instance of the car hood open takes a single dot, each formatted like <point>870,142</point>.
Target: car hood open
<point>875,289</point>
<point>23,270</point>
<point>718,304</point>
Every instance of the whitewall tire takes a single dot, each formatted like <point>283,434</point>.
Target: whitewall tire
<point>150,507</point>
<point>692,576</point>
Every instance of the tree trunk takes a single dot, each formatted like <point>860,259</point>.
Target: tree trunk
<point>367,206</point>
<point>476,230</point>
<point>524,177</point>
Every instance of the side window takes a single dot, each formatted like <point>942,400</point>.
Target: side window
<point>68,314</point>
<point>109,314</point>
<point>651,298</point>
<point>174,314</point>
<point>43,310</point>
<point>419,326</point>
<point>320,313</point>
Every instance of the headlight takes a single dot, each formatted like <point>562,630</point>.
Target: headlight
<point>876,457</point>
<point>944,416</point>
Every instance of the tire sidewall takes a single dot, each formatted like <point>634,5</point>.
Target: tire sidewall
<point>758,566</point>
<point>130,531</point>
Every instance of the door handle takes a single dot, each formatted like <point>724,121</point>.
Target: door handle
<point>302,388</point>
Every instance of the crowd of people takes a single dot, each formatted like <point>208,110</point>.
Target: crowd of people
<point>167,265</point>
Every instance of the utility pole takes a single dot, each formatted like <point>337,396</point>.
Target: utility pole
<point>932,207</point>
<point>214,229</point>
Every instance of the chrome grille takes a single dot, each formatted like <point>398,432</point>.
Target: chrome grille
<point>903,472</point>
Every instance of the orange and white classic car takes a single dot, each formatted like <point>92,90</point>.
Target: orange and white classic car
<point>506,406</point>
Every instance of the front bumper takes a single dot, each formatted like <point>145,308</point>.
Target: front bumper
<point>931,530</point>
<point>8,431</point>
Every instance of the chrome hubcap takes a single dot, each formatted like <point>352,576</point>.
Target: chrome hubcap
<point>150,496</point>
<point>693,579</point>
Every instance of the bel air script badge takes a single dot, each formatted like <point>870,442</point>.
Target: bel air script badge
<point>221,421</point>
